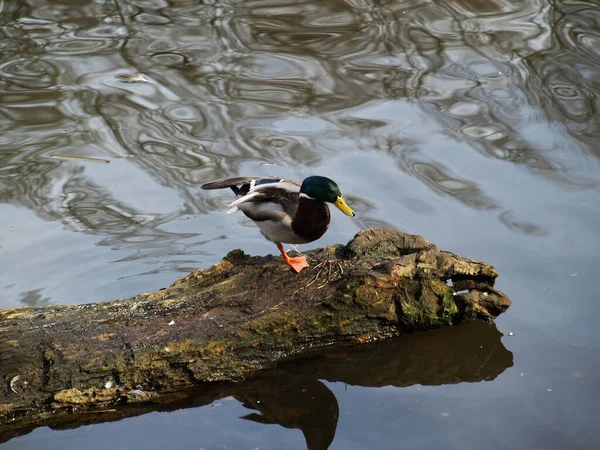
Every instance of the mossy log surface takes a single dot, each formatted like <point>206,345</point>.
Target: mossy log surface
<point>231,320</point>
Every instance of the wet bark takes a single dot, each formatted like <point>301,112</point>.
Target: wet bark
<point>231,320</point>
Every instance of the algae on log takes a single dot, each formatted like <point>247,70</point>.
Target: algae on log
<point>228,321</point>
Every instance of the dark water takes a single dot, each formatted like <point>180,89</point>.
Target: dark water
<point>473,123</point>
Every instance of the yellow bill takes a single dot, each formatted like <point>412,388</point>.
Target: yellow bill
<point>343,207</point>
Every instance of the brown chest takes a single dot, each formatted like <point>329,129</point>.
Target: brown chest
<point>311,219</point>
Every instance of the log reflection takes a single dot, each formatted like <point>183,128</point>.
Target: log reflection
<point>292,396</point>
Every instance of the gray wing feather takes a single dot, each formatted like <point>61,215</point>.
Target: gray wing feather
<point>259,212</point>
<point>260,202</point>
<point>237,181</point>
<point>270,202</point>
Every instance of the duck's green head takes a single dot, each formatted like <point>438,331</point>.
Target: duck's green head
<point>324,189</point>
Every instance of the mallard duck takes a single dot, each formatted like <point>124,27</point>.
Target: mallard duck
<point>284,210</point>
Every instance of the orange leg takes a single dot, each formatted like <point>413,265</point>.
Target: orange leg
<point>297,263</point>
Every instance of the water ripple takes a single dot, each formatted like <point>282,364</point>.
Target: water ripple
<point>451,93</point>
<point>27,74</point>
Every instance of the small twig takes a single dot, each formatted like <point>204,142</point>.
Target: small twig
<point>272,308</point>
<point>13,383</point>
<point>295,247</point>
<point>80,158</point>
<point>321,270</point>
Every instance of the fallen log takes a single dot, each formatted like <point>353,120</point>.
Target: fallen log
<point>292,395</point>
<point>231,320</point>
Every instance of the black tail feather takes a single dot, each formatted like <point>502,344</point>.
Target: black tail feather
<point>229,182</point>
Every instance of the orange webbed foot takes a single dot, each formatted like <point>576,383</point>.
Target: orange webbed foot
<point>297,263</point>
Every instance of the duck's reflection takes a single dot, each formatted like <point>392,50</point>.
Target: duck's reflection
<point>293,401</point>
<point>292,395</point>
